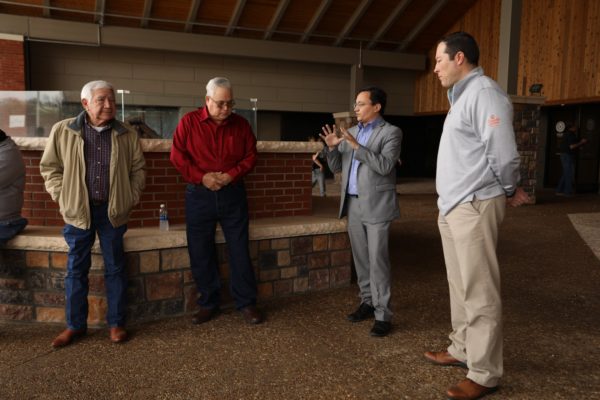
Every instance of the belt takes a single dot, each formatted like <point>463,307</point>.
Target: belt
<point>354,196</point>
<point>98,202</point>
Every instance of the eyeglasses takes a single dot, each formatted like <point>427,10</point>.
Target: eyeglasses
<point>221,103</point>
<point>361,105</point>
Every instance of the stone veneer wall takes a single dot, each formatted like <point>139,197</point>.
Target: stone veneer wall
<point>160,281</point>
<point>279,185</point>
<point>526,123</point>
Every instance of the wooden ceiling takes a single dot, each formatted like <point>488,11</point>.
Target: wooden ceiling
<point>411,26</point>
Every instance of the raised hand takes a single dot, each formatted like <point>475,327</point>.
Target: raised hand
<point>330,137</point>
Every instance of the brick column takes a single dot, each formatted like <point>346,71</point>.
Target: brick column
<point>12,62</point>
<point>526,123</point>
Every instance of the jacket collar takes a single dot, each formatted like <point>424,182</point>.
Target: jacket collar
<point>77,124</point>
<point>459,87</point>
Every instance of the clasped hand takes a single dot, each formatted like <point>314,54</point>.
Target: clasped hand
<point>216,180</point>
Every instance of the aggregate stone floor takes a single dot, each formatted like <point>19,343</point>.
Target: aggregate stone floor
<point>307,350</point>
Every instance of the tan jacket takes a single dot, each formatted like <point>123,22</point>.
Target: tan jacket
<point>63,169</point>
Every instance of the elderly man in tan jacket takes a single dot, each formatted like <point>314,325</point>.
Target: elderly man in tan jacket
<point>94,168</point>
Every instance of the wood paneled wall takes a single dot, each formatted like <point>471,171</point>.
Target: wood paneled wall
<point>560,48</point>
<point>483,22</point>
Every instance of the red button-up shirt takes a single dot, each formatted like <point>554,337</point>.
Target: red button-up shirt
<point>200,146</point>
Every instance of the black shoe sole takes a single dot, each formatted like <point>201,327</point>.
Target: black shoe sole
<point>352,318</point>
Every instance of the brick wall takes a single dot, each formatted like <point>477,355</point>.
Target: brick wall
<point>279,186</point>
<point>160,281</point>
<point>526,123</point>
<point>12,65</point>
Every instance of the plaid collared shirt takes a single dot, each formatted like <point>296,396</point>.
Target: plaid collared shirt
<point>97,147</point>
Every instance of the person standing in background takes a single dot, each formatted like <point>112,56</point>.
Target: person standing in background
<point>318,170</point>
<point>568,152</point>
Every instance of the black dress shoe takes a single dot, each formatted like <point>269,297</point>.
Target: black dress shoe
<point>204,314</point>
<point>364,311</point>
<point>381,328</point>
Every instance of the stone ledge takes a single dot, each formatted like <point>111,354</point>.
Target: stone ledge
<point>50,238</point>
<point>164,145</point>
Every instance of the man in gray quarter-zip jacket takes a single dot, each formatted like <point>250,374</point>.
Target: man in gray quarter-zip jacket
<point>12,183</point>
<point>477,175</point>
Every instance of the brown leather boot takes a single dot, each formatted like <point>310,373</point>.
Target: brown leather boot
<point>67,336</point>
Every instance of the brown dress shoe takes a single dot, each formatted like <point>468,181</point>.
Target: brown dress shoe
<point>204,314</point>
<point>118,334</point>
<point>443,358</point>
<point>252,315</point>
<point>67,336</point>
<point>469,390</point>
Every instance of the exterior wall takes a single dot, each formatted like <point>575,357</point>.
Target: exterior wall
<point>161,283</point>
<point>279,185</point>
<point>560,48</point>
<point>12,63</point>
<point>178,79</point>
<point>483,22</point>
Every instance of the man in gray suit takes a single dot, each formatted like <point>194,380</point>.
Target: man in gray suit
<point>367,155</point>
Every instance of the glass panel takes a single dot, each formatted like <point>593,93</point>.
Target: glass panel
<point>33,113</point>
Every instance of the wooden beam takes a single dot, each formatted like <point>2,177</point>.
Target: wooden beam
<point>388,22</point>
<point>318,15</point>
<point>146,13</point>
<point>191,18</point>
<point>276,18</point>
<point>433,11</point>
<point>235,17</point>
<point>358,13</point>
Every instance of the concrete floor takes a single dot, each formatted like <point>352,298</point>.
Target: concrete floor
<point>307,350</point>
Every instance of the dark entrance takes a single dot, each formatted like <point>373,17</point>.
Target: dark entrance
<point>586,118</point>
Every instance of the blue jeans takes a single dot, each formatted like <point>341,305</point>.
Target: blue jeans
<point>319,177</point>
<point>10,229</point>
<point>80,242</point>
<point>203,209</point>
<point>565,185</point>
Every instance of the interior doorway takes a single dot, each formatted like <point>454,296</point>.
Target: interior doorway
<point>587,165</point>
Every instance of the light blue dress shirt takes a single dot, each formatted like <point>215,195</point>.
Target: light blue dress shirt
<point>364,133</point>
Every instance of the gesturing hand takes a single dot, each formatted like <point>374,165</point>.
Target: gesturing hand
<point>330,137</point>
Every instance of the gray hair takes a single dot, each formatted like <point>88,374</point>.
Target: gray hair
<point>214,83</point>
<point>88,88</point>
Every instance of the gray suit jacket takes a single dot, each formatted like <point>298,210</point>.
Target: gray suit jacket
<point>376,172</point>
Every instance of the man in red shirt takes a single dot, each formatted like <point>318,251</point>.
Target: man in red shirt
<point>214,149</point>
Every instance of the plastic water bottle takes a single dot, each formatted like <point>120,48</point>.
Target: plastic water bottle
<point>163,216</point>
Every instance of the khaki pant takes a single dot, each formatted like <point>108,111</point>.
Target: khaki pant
<point>469,237</point>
